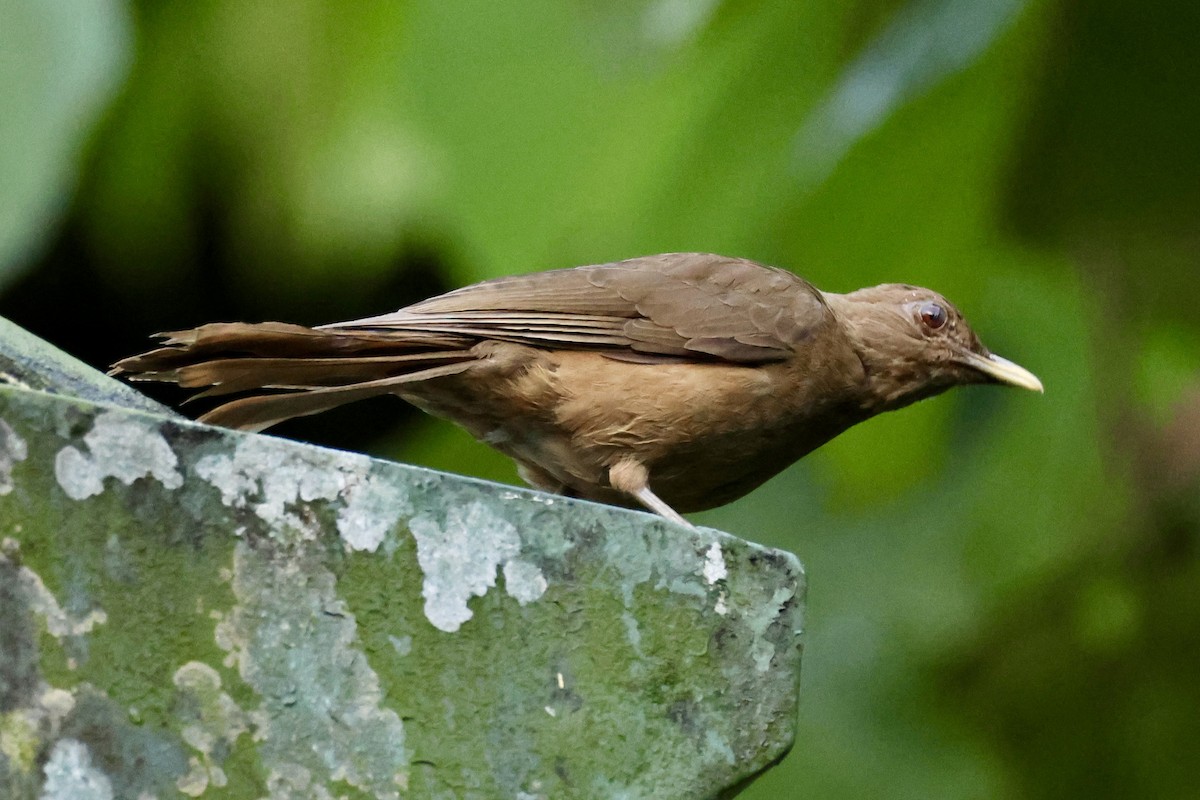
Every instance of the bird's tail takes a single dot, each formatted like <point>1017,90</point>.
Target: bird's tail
<point>291,371</point>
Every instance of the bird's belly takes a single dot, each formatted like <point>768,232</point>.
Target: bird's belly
<point>724,468</point>
<point>707,433</point>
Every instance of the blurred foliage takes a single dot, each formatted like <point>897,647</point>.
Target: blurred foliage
<point>1003,597</point>
<point>60,64</point>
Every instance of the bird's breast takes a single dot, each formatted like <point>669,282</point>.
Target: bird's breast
<point>707,432</point>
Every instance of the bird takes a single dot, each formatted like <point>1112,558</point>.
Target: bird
<point>676,382</point>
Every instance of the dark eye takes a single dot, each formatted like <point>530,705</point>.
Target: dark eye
<point>933,316</point>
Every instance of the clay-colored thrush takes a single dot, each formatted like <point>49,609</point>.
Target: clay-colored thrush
<point>681,381</point>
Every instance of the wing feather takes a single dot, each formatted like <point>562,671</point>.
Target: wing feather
<point>674,305</point>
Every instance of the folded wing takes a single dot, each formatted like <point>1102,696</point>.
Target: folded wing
<point>667,308</point>
<point>677,305</point>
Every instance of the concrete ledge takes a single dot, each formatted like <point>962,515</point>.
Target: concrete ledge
<point>187,611</point>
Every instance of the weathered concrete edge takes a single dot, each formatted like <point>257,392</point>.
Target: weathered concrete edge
<point>33,363</point>
<point>158,413</point>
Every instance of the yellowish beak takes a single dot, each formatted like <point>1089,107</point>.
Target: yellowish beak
<point>1004,371</point>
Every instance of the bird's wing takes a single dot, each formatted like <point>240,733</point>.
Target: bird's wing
<point>677,305</point>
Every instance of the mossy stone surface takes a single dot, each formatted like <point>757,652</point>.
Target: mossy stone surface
<point>192,611</point>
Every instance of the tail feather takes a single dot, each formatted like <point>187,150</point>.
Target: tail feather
<point>303,370</point>
<point>258,412</point>
<point>273,340</point>
<point>232,375</point>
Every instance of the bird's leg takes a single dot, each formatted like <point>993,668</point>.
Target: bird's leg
<point>651,501</point>
<point>631,476</point>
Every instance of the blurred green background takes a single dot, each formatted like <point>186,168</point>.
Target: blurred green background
<point>1005,589</point>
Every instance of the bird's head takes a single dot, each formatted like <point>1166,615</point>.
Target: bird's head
<point>913,344</point>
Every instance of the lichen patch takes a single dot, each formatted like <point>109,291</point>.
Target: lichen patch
<point>322,718</point>
<point>118,446</point>
<point>372,506</point>
<point>667,561</point>
<point>460,557</point>
<point>272,479</point>
<point>70,774</point>
<point>41,601</point>
<point>762,650</point>
<point>212,722</point>
<point>12,450</point>
<point>714,564</point>
<point>524,581</point>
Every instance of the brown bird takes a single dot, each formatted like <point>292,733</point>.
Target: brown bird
<point>679,381</point>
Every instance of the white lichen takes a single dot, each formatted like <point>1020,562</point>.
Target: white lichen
<point>272,478</point>
<point>288,781</point>
<point>630,556</point>
<point>762,649</point>
<point>633,632</point>
<point>714,564</point>
<point>12,450</point>
<point>372,507</point>
<point>56,704</point>
<point>524,581</point>
<point>213,719</point>
<point>323,719</point>
<point>70,774</point>
<point>460,558</point>
<point>719,747</point>
<point>42,601</point>
<point>118,446</point>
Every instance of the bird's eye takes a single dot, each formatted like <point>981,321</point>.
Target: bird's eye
<point>933,316</point>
